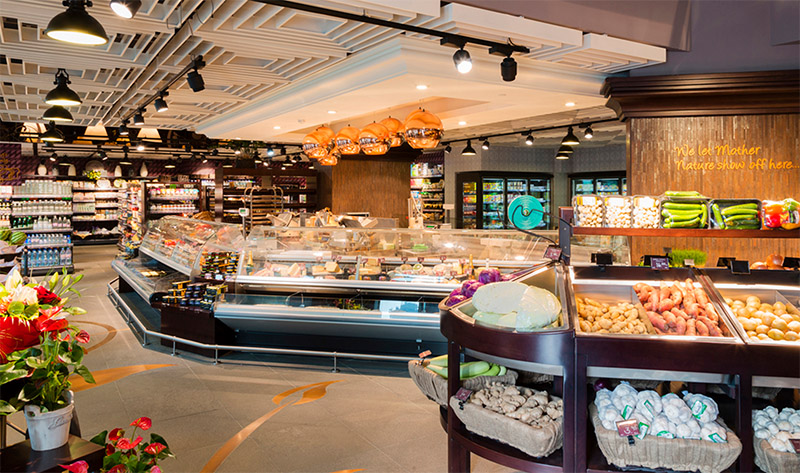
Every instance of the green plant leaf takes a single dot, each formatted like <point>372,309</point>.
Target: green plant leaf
<point>6,408</point>
<point>77,279</point>
<point>85,374</point>
<point>16,308</point>
<point>167,453</point>
<point>11,375</point>
<point>76,354</point>
<point>75,291</point>
<point>112,460</point>
<point>76,311</point>
<point>32,309</point>
<point>100,439</point>
<point>35,362</point>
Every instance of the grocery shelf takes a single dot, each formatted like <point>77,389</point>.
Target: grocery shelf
<point>54,245</point>
<point>83,201</point>
<point>40,214</point>
<point>48,269</point>
<point>90,212</point>
<point>687,232</point>
<point>42,196</point>
<point>54,230</point>
<point>172,212</point>
<point>167,261</point>
<point>106,206</point>
<point>95,219</point>
<point>174,198</point>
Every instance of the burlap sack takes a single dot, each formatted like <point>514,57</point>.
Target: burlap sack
<point>773,461</point>
<point>535,441</point>
<point>435,387</point>
<point>672,454</point>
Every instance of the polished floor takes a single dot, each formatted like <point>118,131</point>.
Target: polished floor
<point>252,413</point>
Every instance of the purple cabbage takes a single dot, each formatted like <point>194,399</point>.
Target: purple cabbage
<point>489,275</point>
<point>469,288</point>
<point>456,292</point>
<point>508,277</point>
<point>453,300</point>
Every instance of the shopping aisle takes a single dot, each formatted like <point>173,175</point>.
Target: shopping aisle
<point>370,417</point>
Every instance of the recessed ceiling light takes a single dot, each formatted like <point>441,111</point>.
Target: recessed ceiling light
<point>276,127</point>
<point>462,123</point>
<point>569,104</point>
<point>332,112</point>
<point>421,87</point>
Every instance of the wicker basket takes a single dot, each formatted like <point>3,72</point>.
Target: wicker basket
<point>535,441</point>
<point>673,454</point>
<point>435,387</point>
<point>773,461</point>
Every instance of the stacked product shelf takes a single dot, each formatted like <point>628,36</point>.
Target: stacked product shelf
<point>131,221</point>
<point>427,188</point>
<point>96,213</point>
<point>43,209</point>
<point>180,199</point>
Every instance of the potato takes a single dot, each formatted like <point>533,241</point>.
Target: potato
<point>765,307</point>
<point>779,324</point>
<point>779,306</point>
<point>794,326</point>
<point>749,324</point>
<point>767,319</point>
<point>775,334</point>
<point>753,300</point>
<point>791,336</point>
<point>762,329</point>
<point>763,336</point>
<point>786,318</point>
<point>751,334</point>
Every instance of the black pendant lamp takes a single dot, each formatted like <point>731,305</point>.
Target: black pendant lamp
<point>57,113</point>
<point>123,129</point>
<point>126,8</point>
<point>570,139</point>
<point>76,26</point>
<point>52,135</point>
<point>566,149</point>
<point>138,117</point>
<point>468,150</point>
<point>62,95</point>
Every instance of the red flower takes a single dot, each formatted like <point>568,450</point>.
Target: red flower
<point>110,449</point>
<point>47,297</point>
<point>125,444</point>
<point>16,334</point>
<point>155,469</point>
<point>115,434</point>
<point>118,469</point>
<point>52,325</point>
<point>143,423</point>
<point>154,448</point>
<point>77,467</point>
<point>82,336</point>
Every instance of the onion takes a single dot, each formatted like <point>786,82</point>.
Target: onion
<point>775,262</point>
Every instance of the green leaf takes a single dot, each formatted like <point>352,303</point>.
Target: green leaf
<point>100,439</point>
<point>6,408</point>
<point>75,310</point>
<point>85,374</point>
<point>32,309</point>
<point>77,279</point>
<point>76,354</point>
<point>35,362</point>
<point>11,375</point>
<point>111,460</point>
<point>73,290</point>
<point>154,437</point>
<point>6,367</point>
<point>16,308</point>
<point>53,281</point>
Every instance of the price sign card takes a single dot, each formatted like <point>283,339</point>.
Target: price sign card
<point>661,264</point>
<point>552,252</point>
<point>628,427</point>
<point>463,394</point>
<point>425,354</point>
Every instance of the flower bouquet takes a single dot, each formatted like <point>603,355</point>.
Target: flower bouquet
<point>128,454</point>
<point>40,350</point>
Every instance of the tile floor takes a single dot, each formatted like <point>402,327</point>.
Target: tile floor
<point>373,419</point>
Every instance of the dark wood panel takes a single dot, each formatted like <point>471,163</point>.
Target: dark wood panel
<point>380,187</point>
<point>655,166</point>
<point>739,93</point>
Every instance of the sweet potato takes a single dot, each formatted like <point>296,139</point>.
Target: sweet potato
<point>663,291</point>
<point>691,329</point>
<point>702,330</point>
<point>665,305</point>
<point>700,296</point>
<point>676,295</point>
<point>680,327</point>
<point>711,313</point>
<point>713,330</point>
<point>657,320</point>
<point>670,318</point>
<point>681,314</point>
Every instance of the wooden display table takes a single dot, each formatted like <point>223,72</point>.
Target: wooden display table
<point>20,457</point>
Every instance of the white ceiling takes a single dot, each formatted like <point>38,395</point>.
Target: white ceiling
<point>268,66</point>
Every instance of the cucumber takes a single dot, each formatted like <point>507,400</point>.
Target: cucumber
<point>503,370</point>
<point>739,223</point>
<point>493,370</point>
<point>729,212</point>
<point>682,193</point>
<point>718,216</point>
<point>683,224</point>
<point>749,206</point>
<point>704,217</point>
<point>440,360</point>
<point>474,368</point>
<point>682,206</point>
<point>440,370</point>
<point>680,213</point>
<point>739,217</point>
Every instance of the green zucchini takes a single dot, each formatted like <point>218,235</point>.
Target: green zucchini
<point>718,215</point>
<point>749,205</point>
<point>683,224</point>
<point>682,193</point>
<point>666,213</point>
<point>440,360</point>
<point>704,217</point>
<point>682,206</point>
<point>741,217</point>
<point>727,212</point>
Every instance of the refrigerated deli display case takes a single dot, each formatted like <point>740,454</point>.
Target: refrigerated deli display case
<point>482,197</point>
<point>636,340</point>
<point>359,285</point>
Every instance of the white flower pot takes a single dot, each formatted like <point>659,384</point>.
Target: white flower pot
<point>49,430</point>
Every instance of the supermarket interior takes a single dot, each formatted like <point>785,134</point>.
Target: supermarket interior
<point>257,235</point>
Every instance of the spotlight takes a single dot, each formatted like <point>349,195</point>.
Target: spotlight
<point>140,147</point>
<point>205,159</point>
<point>227,163</point>
<point>194,79</point>
<point>125,161</point>
<point>485,144</point>
<point>52,135</point>
<point>170,164</point>
<point>588,134</point>
<point>214,152</point>
<point>462,61</point>
<point>570,139</point>
<point>54,157</point>
<point>448,148</point>
<point>138,118</point>
<point>508,69</point>
<point>468,150</point>
<point>126,8</point>
<point>237,152</point>
<point>103,155</point>
<point>529,140</point>
<point>270,152</point>
<point>62,95</point>
<point>161,104</point>
<point>57,113</point>
<point>566,149</point>
<point>76,26</point>
<point>64,163</point>
<point>123,129</point>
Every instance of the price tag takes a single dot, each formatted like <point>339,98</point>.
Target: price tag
<point>688,262</point>
<point>420,259</point>
<point>463,394</point>
<point>588,200</point>
<point>404,259</point>
<point>443,258</point>
<point>425,354</point>
<point>381,260</point>
<point>795,444</point>
<point>740,267</point>
<point>552,252</point>
<point>244,212</point>
<point>660,264</point>
<point>628,427</point>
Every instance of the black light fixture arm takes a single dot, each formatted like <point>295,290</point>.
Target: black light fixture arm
<point>196,64</point>
<point>534,130</point>
<point>449,39</point>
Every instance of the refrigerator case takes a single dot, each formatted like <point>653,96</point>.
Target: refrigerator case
<point>375,283</point>
<point>469,205</point>
<point>494,203</point>
<point>484,197</point>
<point>600,183</point>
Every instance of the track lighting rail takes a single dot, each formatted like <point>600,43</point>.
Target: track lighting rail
<point>527,131</point>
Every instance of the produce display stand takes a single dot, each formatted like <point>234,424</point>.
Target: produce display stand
<point>734,359</point>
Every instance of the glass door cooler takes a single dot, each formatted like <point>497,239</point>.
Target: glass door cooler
<point>483,197</point>
<point>599,183</point>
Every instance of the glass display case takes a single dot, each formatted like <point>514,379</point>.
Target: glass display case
<point>180,242</point>
<point>146,276</point>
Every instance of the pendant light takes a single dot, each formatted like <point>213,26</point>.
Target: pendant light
<point>395,128</point>
<point>161,104</point>
<point>123,129</point>
<point>565,149</point>
<point>562,155</point>
<point>52,135</point>
<point>76,26</point>
<point>170,164</point>
<point>423,130</point>
<point>57,113</point>
<point>468,150</point>
<point>374,139</point>
<point>143,169</point>
<point>570,139</point>
<point>347,140</point>
<point>138,117</point>
<point>588,134</point>
<point>485,145</point>
<point>62,95</point>
<point>227,164</point>
<point>126,8</point>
